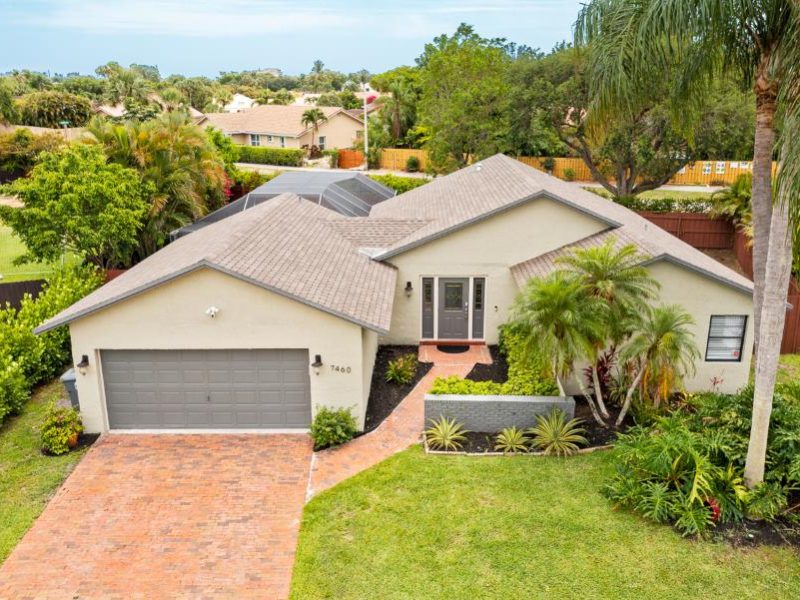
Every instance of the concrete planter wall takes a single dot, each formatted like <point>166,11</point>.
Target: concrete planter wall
<point>493,413</point>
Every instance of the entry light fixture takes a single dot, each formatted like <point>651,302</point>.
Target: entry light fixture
<point>212,311</point>
<point>409,289</point>
<point>317,364</point>
<point>83,365</point>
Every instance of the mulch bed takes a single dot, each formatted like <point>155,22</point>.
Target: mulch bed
<point>384,396</point>
<point>497,371</point>
<point>749,534</point>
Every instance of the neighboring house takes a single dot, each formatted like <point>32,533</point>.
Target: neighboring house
<point>276,126</point>
<point>349,194</point>
<point>118,110</point>
<point>238,103</point>
<point>257,320</point>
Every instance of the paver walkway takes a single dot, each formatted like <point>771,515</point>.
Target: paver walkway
<point>401,429</point>
<point>169,516</point>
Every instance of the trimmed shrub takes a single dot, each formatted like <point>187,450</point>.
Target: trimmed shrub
<point>60,430</point>
<point>458,386</point>
<point>13,388</point>
<point>283,157</point>
<point>412,164</point>
<point>398,183</point>
<point>549,164</point>
<point>332,426</point>
<point>569,174</point>
<point>402,369</point>
<point>333,156</point>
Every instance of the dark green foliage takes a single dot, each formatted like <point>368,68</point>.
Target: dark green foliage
<point>686,468</point>
<point>332,426</point>
<point>20,149</point>
<point>285,157</point>
<point>412,164</point>
<point>54,109</point>
<point>61,427</point>
<point>402,369</point>
<point>14,388</point>
<point>399,183</point>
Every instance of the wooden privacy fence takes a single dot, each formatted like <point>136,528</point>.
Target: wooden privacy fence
<point>70,133</point>
<point>791,327</point>
<point>696,229</point>
<point>701,172</point>
<point>13,293</point>
<point>349,159</point>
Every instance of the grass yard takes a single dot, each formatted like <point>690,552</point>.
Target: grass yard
<point>677,195</point>
<point>420,526</point>
<point>789,368</point>
<point>28,478</point>
<point>10,248</point>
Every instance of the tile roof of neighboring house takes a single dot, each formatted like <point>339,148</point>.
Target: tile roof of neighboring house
<point>358,113</point>
<point>271,119</point>
<point>287,245</point>
<point>500,183</point>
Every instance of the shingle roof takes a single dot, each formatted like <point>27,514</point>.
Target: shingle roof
<point>500,183</point>
<point>288,245</point>
<point>271,119</point>
<point>369,232</point>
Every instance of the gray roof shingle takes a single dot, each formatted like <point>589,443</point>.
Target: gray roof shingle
<point>287,245</point>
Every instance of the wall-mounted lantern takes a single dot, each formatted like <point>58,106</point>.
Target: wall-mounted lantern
<point>83,365</point>
<point>409,289</point>
<point>317,364</point>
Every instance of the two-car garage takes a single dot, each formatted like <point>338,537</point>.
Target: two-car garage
<point>207,389</point>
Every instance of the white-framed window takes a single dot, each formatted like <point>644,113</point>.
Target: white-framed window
<point>321,144</point>
<point>720,167</point>
<point>255,139</point>
<point>282,141</point>
<point>269,139</point>
<point>726,338</point>
<point>707,168</point>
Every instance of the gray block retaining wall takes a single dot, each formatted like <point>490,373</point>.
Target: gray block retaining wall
<point>493,413</point>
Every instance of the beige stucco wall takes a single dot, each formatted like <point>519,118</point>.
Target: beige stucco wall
<point>485,249</point>
<point>702,297</point>
<point>172,316</point>
<point>339,131</point>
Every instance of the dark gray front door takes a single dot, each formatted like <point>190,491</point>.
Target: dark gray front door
<point>454,308</point>
<point>207,389</point>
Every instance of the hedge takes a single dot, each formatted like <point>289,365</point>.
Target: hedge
<point>399,183</point>
<point>283,157</point>
<point>27,359</point>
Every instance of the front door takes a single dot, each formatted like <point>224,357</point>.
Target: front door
<point>454,308</point>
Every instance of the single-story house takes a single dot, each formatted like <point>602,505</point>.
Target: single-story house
<point>347,193</point>
<point>276,126</point>
<point>255,321</point>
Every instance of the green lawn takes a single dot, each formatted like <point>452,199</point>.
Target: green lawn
<point>420,526</point>
<point>28,478</point>
<point>10,248</point>
<point>677,195</point>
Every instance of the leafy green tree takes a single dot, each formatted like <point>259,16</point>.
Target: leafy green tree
<point>464,81</point>
<point>559,319</point>
<point>176,158</point>
<point>690,43</point>
<point>8,110</point>
<point>312,118</point>
<point>54,109</point>
<point>93,88</point>
<point>662,350</point>
<point>282,97</point>
<point>20,149</point>
<point>75,201</point>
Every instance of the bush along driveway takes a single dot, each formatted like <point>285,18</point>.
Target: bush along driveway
<point>27,477</point>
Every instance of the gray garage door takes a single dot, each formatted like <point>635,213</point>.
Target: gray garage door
<point>207,389</point>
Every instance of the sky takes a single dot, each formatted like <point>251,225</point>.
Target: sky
<point>204,37</point>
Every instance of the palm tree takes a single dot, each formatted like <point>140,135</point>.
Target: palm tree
<point>559,320</point>
<point>753,42</point>
<point>616,277</point>
<point>8,109</point>
<point>662,349</point>
<point>399,109</point>
<point>312,118</point>
<point>182,168</point>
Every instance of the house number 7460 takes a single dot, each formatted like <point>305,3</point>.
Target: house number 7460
<point>340,369</point>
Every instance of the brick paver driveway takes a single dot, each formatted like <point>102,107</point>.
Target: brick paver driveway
<point>169,516</point>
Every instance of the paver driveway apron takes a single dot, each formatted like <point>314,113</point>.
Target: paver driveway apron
<point>166,516</point>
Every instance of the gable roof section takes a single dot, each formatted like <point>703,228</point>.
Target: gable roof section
<point>271,119</point>
<point>501,183</point>
<point>286,245</point>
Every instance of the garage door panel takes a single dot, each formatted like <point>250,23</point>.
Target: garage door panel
<point>174,389</point>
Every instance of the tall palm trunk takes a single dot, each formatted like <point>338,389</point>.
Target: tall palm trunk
<point>764,145</point>
<point>776,283</point>
<point>598,392</point>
